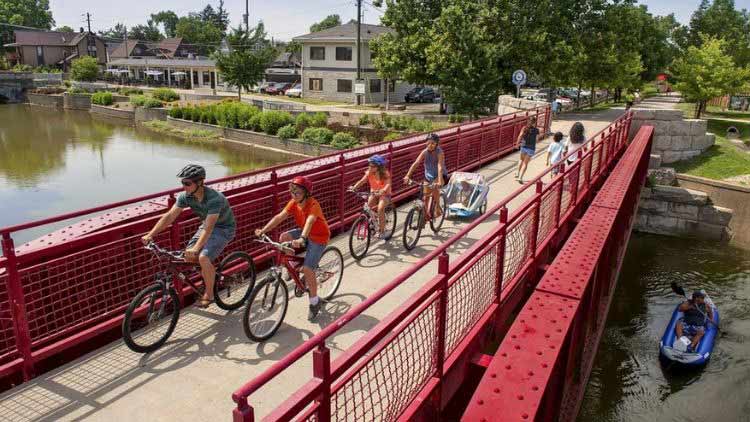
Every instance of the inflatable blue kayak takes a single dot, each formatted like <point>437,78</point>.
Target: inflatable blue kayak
<point>703,352</point>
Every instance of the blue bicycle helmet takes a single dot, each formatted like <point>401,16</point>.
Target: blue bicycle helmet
<point>378,160</point>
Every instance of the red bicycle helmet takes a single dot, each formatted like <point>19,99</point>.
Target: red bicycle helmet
<point>303,182</point>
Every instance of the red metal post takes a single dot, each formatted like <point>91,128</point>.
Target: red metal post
<point>458,148</point>
<point>501,253</point>
<point>18,307</point>
<point>442,314</point>
<point>390,159</point>
<point>537,212</point>
<point>174,239</point>
<point>243,412</point>
<point>322,371</point>
<point>342,190</point>
<point>561,170</point>
<point>275,190</point>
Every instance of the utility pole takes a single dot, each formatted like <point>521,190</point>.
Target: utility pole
<point>359,45</point>
<point>88,20</point>
<point>247,16</point>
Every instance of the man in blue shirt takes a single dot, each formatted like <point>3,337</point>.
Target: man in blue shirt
<point>217,227</point>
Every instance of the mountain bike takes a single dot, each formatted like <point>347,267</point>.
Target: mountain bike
<point>152,315</point>
<point>417,216</point>
<point>367,224</point>
<point>268,303</point>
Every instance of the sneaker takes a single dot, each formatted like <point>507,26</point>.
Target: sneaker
<point>314,310</point>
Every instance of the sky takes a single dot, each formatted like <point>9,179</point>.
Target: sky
<point>284,19</point>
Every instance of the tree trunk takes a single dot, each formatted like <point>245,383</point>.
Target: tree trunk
<point>698,109</point>
<point>387,94</point>
<point>239,93</point>
<point>578,96</point>
<point>592,96</point>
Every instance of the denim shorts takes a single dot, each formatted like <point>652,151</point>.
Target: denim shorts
<point>528,151</point>
<point>217,241</point>
<point>314,250</point>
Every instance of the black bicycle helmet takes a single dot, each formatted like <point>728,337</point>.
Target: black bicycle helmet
<point>434,137</point>
<point>192,172</point>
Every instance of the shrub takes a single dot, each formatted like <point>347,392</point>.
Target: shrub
<point>138,100</point>
<point>287,132</point>
<point>195,114</point>
<point>455,118</point>
<point>175,112</point>
<point>21,68</point>
<point>84,69</point>
<point>130,91</point>
<point>377,124</point>
<point>102,98</point>
<point>343,140</point>
<point>364,119</point>
<point>165,94</point>
<point>152,103</point>
<point>417,125</point>
<point>77,90</point>
<point>319,119</point>
<point>317,135</point>
<point>302,122</point>
<point>254,122</point>
<point>272,121</point>
<point>67,84</point>
<point>391,136</point>
<point>244,114</point>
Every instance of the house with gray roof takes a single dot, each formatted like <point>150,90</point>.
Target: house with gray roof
<point>329,65</point>
<point>56,49</point>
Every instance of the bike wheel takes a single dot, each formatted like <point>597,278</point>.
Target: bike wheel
<point>265,309</point>
<point>412,228</point>
<point>390,222</point>
<point>150,318</point>
<point>359,237</point>
<point>235,278</point>
<point>437,223</point>
<point>330,272</point>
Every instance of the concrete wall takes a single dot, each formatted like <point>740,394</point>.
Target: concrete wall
<point>55,101</point>
<point>510,104</point>
<point>147,114</point>
<point>76,101</point>
<point>13,86</point>
<point>725,195</point>
<point>681,212</point>
<point>330,87</point>
<point>128,115</point>
<point>257,139</point>
<point>675,138</point>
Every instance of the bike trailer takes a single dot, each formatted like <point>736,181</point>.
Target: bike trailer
<point>466,195</point>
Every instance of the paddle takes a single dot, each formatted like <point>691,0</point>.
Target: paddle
<point>680,291</point>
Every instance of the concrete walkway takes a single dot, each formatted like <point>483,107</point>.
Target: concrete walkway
<point>208,356</point>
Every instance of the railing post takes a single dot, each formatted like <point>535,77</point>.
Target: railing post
<point>342,190</point>
<point>442,315</point>
<point>174,239</point>
<point>579,160</point>
<point>561,171</point>
<point>243,412</point>
<point>537,214</point>
<point>390,159</point>
<point>322,371</point>
<point>458,149</point>
<point>501,253</point>
<point>275,202</point>
<point>18,308</point>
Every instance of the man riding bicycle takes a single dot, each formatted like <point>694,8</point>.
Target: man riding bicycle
<point>312,233</point>
<point>434,171</point>
<point>379,178</point>
<point>217,227</point>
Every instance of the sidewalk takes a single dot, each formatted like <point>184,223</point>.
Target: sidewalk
<point>208,356</point>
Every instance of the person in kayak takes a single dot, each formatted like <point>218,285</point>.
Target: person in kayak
<point>693,322</point>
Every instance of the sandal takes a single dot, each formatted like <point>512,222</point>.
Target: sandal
<point>204,303</point>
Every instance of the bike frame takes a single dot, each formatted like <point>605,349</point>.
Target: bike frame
<point>292,263</point>
<point>367,210</point>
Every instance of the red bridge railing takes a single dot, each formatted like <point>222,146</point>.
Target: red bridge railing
<point>413,361</point>
<point>542,366</point>
<point>54,297</point>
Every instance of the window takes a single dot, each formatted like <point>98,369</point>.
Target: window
<point>374,86</point>
<point>344,54</point>
<point>316,84</point>
<point>39,55</point>
<point>317,53</point>
<point>344,85</point>
<point>391,86</point>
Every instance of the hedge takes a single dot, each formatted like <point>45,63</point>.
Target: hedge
<point>102,98</point>
<point>165,94</point>
<point>317,135</point>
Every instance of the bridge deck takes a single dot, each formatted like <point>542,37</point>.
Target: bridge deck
<point>208,356</point>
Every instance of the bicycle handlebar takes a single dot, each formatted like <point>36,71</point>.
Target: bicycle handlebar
<point>423,183</point>
<point>159,251</point>
<point>282,246</point>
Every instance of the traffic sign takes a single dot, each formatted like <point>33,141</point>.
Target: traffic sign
<point>519,77</point>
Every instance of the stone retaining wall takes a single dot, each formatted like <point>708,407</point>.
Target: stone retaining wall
<point>257,139</point>
<point>675,138</point>
<point>510,104</point>
<point>681,212</point>
<point>147,114</point>
<point>112,112</point>
<point>76,101</point>
<point>45,100</point>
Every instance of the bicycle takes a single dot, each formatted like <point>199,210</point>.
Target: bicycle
<point>271,296</point>
<point>368,223</point>
<point>158,306</point>
<point>415,219</point>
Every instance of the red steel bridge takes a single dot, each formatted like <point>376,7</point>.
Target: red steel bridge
<point>538,284</point>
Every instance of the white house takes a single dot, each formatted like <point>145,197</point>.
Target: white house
<point>329,65</point>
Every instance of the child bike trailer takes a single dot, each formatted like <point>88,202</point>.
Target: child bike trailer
<point>466,195</point>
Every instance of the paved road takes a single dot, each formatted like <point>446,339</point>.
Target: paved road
<point>208,356</point>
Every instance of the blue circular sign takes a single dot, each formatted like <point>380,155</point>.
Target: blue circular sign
<point>519,77</point>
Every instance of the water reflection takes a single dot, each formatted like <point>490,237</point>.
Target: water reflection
<point>628,383</point>
<point>53,162</point>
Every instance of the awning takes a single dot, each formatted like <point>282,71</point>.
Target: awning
<point>154,73</point>
<point>178,73</point>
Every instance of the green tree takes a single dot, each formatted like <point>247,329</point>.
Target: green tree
<point>117,32</point>
<point>64,28</point>
<point>386,63</point>
<point>329,22</point>
<point>34,13</point>
<point>168,19</point>
<point>293,47</point>
<point>720,19</point>
<point>149,32</point>
<point>195,31</point>
<point>218,17</point>
<point>707,72</point>
<point>84,69</point>
<point>245,64</point>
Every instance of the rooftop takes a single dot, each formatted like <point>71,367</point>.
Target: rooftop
<point>346,32</point>
<point>46,38</point>
<point>160,62</point>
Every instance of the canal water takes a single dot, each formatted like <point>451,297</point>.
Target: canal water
<point>53,162</point>
<point>628,383</point>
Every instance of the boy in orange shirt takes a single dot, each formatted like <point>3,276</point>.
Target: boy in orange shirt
<point>313,233</point>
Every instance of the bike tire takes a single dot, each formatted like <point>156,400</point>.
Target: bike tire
<point>359,237</point>
<point>330,272</point>
<point>436,224</point>
<point>242,281</point>
<point>268,292</point>
<point>172,307</point>
<point>390,222</point>
<point>413,226</point>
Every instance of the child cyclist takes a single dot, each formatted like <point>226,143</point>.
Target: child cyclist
<point>312,233</point>
<point>379,178</point>
<point>434,170</point>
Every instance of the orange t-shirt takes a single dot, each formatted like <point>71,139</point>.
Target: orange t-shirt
<point>376,183</point>
<point>319,232</point>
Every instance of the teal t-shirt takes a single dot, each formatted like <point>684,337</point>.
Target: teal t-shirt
<point>213,203</point>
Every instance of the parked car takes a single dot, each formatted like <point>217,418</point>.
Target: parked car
<point>295,91</point>
<point>420,95</point>
<point>261,87</point>
<point>278,88</point>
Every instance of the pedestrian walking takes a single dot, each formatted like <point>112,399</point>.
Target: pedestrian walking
<point>527,142</point>
<point>555,153</point>
<point>576,141</point>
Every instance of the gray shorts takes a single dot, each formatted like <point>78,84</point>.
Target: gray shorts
<point>314,250</point>
<point>217,241</point>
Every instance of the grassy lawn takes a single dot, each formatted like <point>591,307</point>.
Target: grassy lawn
<point>712,111</point>
<point>723,160</point>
